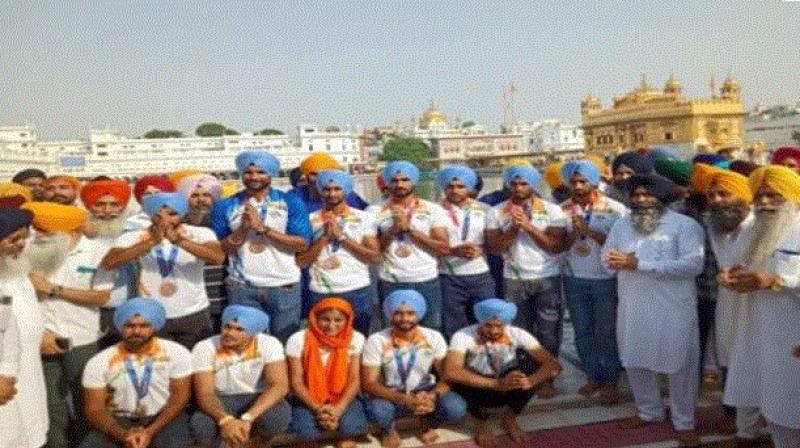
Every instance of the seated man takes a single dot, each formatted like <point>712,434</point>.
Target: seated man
<point>136,391</point>
<point>494,364</point>
<point>240,380</point>
<point>398,371</point>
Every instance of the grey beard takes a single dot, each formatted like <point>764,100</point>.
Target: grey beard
<point>47,253</point>
<point>768,232</point>
<point>108,228</point>
<point>645,219</point>
<point>13,267</point>
<point>198,217</point>
<point>727,219</point>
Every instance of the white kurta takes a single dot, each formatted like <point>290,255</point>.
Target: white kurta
<point>13,433</point>
<point>762,372</point>
<point>657,312</point>
<point>728,248</point>
<point>30,385</point>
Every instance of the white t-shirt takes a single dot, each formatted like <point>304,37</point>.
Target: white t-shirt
<point>404,260</point>
<point>80,270</point>
<point>602,216</point>
<point>237,373</point>
<point>340,271</point>
<point>525,260</point>
<point>187,275</point>
<point>379,351</point>
<point>466,225</point>
<point>296,342</point>
<point>107,369</point>
<point>502,355</point>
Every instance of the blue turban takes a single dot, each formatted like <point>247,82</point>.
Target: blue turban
<point>252,319</point>
<point>490,309</point>
<point>338,177</point>
<point>150,309</point>
<point>639,163</point>
<point>461,173</point>
<point>261,159</point>
<point>585,168</point>
<point>709,159</point>
<point>401,167</point>
<point>526,173</point>
<point>401,297</point>
<point>153,203</point>
<point>13,219</point>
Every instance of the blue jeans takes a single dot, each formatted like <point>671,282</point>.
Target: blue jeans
<point>540,309</point>
<point>459,294</point>
<point>269,424</point>
<point>281,303</point>
<point>304,422</point>
<point>431,290</point>
<point>360,299</point>
<point>593,308</point>
<point>450,408</point>
<point>174,435</point>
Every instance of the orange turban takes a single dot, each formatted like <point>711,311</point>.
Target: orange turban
<point>51,217</point>
<point>326,383</point>
<point>552,175</point>
<point>176,177</point>
<point>96,189</point>
<point>702,175</point>
<point>734,183</point>
<point>318,162</point>
<point>780,178</point>
<point>10,189</point>
<point>74,181</point>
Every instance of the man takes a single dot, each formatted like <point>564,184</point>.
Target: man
<point>202,191</point>
<point>62,189</point>
<point>788,156</point>
<point>310,167</point>
<point>559,190</point>
<point>412,234</point>
<point>728,225</point>
<point>344,247</point>
<point>171,257</point>
<point>261,230</point>
<point>762,371</point>
<point>530,233</point>
<point>591,291</point>
<point>13,195</point>
<point>33,179</point>
<point>144,186</point>
<point>623,167</point>
<point>71,289</point>
<point>400,367</point>
<point>14,283</point>
<point>657,254</point>
<point>137,391</point>
<point>463,272</point>
<point>240,380</point>
<point>106,201</point>
<point>496,365</point>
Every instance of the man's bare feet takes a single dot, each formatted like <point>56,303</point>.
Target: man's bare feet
<point>483,435</point>
<point>688,437</point>
<point>346,443</point>
<point>511,427</point>
<point>391,440</point>
<point>634,422</point>
<point>427,435</point>
<point>546,391</point>
<point>608,395</point>
<point>588,389</point>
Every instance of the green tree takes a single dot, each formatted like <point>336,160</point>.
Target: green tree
<point>413,149</point>
<point>211,129</point>
<point>796,136</point>
<point>269,131</point>
<point>467,124</point>
<point>163,133</point>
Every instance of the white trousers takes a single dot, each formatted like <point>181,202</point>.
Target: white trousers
<point>683,390</point>
<point>748,423</point>
<point>783,436</point>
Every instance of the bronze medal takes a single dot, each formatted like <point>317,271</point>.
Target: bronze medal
<point>403,251</point>
<point>583,250</point>
<point>257,247</point>
<point>167,289</point>
<point>331,263</point>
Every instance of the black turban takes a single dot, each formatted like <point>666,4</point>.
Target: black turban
<point>28,174</point>
<point>13,219</point>
<point>662,188</point>
<point>639,163</point>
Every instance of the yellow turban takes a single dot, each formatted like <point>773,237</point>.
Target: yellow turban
<point>10,189</point>
<point>552,175</point>
<point>74,181</point>
<point>734,183</point>
<point>517,161</point>
<point>780,178</point>
<point>230,189</point>
<point>702,175</point>
<point>51,217</point>
<point>176,177</point>
<point>605,170</point>
<point>319,162</point>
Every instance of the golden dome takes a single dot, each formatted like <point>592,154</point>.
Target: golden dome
<point>432,116</point>
<point>673,85</point>
<point>730,82</point>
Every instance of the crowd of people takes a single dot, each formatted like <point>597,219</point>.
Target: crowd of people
<point>198,315</point>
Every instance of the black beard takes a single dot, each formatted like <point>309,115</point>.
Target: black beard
<point>727,219</point>
<point>199,217</point>
<point>133,343</point>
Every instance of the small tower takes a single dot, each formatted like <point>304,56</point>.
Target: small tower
<point>673,86</point>
<point>590,104</point>
<point>730,89</point>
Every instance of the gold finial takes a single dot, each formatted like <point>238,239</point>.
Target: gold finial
<point>645,84</point>
<point>713,85</point>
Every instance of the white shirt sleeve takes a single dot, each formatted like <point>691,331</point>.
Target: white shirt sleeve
<point>372,354</point>
<point>492,218</point>
<point>612,243</point>
<point>439,345</point>
<point>271,347</point>
<point>438,216</point>
<point>524,339</point>
<point>357,343</point>
<point>294,345</point>
<point>9,343</point>
<point>368,223</point>
<point>181,365</point>
<point>94,372</point>
<point>461,342</point>
<point>203,235</point>
<point>691,255</point>
<point>203,356</point>
<point>556,216</point>
<point>103,280</point>
<point>127,239</point>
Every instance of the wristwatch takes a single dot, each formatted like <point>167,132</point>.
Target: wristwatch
<point>246,417</point>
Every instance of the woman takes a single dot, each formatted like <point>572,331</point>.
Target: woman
<point>324,374</point>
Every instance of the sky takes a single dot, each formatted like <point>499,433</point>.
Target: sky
<point>68,67</point>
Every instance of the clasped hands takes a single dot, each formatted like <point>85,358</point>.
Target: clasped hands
<point>515,380</point>
<point>328,416</point>
<point>736,278</point>
<point>235,432</point>
<point>420,403</point>
<point>622,261</point>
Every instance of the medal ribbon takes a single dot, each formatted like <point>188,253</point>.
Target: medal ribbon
<point>331,217</point>
<point>494,359</point>
<point>587,215</point>
<point>404,370</point>
<point>143,385</point>
<point>409,211</point>
<point>451,210</point>
<point>166,265</point>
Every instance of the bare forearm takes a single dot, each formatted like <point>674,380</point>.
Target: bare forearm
<point>169,413</point>
<point>431,244</point>
<point>364,253</point>
<point>543,240</point>
<point>86,297</point>
<point>212,405</point>
<point>234,241</point>
<point>307,257</point>
<point>302,393</point>
<point>387,237</point>
<point>119,256</point>
<point>210,253</point>
<point>463,376</point>
<point>102,421</point>
<point>500,242</point>
<point>375,388</point>
<point>287,242</point>
<point>267,400</point>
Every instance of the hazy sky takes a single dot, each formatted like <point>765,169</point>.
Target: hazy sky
<point>134,66</point>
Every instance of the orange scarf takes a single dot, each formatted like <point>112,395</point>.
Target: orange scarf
<point>326,383</point>
<point>153,350</point>
<point>414,337</point>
